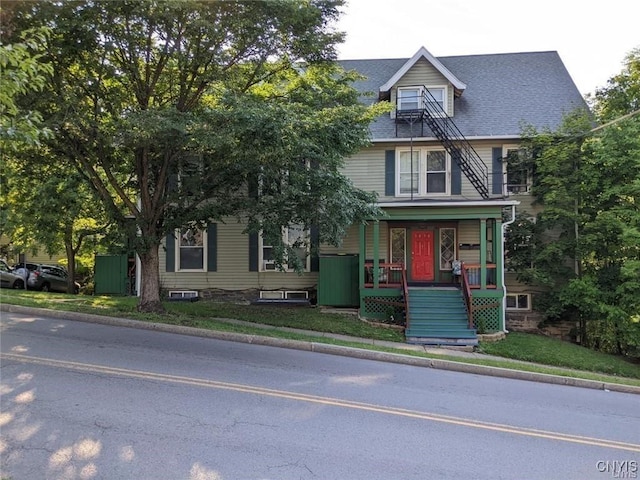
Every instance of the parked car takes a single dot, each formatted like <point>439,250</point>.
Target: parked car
<point>49,278</point>
<point>8,278</point>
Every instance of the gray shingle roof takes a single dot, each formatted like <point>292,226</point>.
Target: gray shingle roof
<point>504,91</point>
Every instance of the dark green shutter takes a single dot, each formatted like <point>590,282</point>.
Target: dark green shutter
<point>253,252</point>
<point>456,175</point>
<point>496,168</point>
<point>171,253</point>
<point>212,247</point>
<point>315,249</point>
<point>390,173</point>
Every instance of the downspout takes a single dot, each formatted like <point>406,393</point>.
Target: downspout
<point>504,288</point>
<point>138,261</point>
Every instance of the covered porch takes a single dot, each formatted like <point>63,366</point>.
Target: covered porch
<point>432,248</point>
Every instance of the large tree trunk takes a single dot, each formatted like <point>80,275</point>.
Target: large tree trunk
<point>150,279</point>
<point>71,260</point>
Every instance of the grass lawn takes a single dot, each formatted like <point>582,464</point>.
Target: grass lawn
<point>207,314</point>
<point>555,352</point>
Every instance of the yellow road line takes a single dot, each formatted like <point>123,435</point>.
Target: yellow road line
<point>301,397</point>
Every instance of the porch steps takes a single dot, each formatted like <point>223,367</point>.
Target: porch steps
<point>438,317</point>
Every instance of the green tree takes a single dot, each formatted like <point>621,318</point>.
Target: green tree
<point>21,71</point>
<point>588,181</point>
<point>237,93</point>
<point>48,205</point>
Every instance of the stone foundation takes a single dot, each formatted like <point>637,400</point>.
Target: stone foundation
<point>533,322</point>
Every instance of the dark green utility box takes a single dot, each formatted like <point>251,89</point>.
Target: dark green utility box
<point>338,281</point>
<point>111,275</point>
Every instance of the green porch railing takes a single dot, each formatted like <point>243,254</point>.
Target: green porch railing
<point>473,274</point>
<point>389,275</point>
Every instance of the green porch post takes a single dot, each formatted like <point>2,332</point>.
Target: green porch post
<point>483,253</point>
<point>499,253</point>
<point>363,254</point>
<point>376,254</point>
<point>499,261</point>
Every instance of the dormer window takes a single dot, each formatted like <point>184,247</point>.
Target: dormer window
<point>410,98</point>
<point>436,99</point>
<point>433,99</point>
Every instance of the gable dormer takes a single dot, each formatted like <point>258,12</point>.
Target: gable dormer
<point>422,82</point>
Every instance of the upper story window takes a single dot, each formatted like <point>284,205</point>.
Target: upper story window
<point>433,99</point>
<point>518,174</point>
<point>410,98</point>
<point>273,181</point>
<point>190,175</point>
<point>294,236</point>
<point>426,172</point>
<point>191,248</point>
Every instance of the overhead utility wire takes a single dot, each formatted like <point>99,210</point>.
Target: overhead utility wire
<point>614,121</point>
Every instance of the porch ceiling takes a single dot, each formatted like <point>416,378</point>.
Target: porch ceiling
<point>449,211</point>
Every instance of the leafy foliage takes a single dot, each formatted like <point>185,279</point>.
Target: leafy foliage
<point>21,71</point>
<point>589,186</point>
<point>47,205</point>
<point>238,94</point>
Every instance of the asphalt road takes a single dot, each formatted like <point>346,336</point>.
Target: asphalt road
<point>86,401</point>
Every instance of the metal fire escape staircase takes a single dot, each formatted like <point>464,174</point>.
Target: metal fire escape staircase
<point>431,113</point>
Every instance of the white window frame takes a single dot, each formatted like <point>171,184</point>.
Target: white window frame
<point>401,94</point>
<point>422,171</point>
<point>514,189</point>
<point>419,103</point>
<point>517,308</point>
<point>269,265</point>
<point>444,267</point>
<point>179,246</point>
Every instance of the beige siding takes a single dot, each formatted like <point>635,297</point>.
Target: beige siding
<point>366,169</point>
<point>423,73</point>
<point>484,152</point>
<point>42,257</point>
<point>233,268</point>
<point>351,242</point>
<point>513,285</point>
<point>469,232</point>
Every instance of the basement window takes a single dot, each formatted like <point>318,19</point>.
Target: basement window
<point>518,301</point>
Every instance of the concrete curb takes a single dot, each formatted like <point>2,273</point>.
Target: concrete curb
<point>328,349</point>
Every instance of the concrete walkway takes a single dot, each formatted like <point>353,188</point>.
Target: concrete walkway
<point>450,359</point>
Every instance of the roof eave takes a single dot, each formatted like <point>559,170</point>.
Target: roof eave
<point>424,53</point>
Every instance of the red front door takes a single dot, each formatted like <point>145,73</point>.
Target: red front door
<point>422,255</point>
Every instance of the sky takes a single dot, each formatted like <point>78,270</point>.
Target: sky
<point>592,37</point>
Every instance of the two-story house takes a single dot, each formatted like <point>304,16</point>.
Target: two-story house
<point>438,164</point>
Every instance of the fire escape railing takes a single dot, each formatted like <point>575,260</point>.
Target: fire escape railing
<point>431,113</point>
